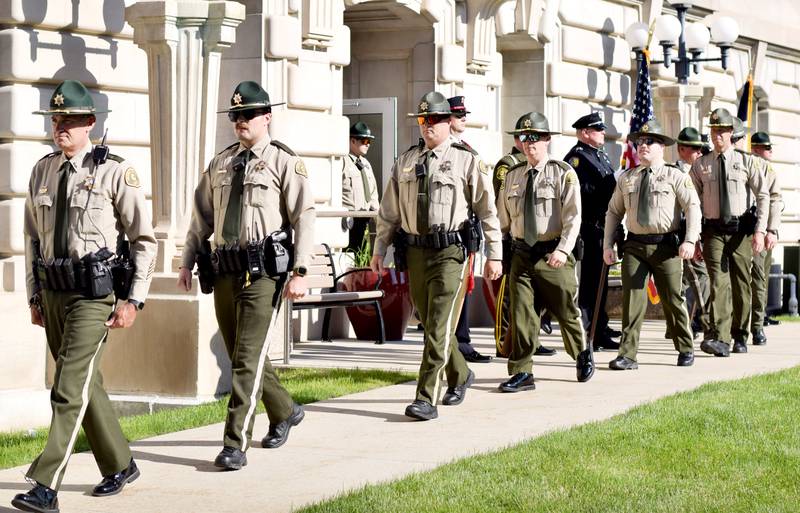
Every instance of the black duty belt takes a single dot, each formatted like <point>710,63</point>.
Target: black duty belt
<point>436,240</point>
<point>652,238</point>
<point>720,226</point>
<point>538,250</point>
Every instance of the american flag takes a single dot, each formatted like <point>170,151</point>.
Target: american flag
<point>642,110</point>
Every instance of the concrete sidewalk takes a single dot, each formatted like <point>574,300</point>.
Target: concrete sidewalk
<point>364,438</point>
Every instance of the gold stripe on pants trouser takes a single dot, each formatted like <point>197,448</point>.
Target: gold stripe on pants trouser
<point>76,336</point>
<point>244,315</point>
<point>728,260</point>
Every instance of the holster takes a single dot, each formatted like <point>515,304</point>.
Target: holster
<point>471,235</point>
<point>748,221</point>
<point>400,243</point>
<point>122,271</point>
<point>278,253</point>
<point>205,268</point>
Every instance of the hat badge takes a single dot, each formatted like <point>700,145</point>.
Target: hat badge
<point>527,123</point>
<point>237,99</point>
<point>714,117</point>
<point>645,128</point>
<point>58,99</point>
<point>423,106</point>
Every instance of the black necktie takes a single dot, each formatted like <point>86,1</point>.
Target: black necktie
<point>531,234</point>
<point>364,180</point>
<point>724,197</point>
<point>233,214</point>
<point>62,213</point>
<point>422,193</point>
<point>643,211</point>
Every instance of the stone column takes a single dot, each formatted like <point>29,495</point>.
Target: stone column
<point>677,106</point>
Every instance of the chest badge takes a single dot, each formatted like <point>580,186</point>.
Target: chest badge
<point>43,189</point>
<point>446,166</point>
<point>88,183</point>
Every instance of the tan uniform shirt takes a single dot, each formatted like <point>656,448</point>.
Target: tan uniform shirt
<point>671,192</point>
<point>775,198</point>
<point>459,182</point>
<point>683,166</point>
<point>276,193</point>
<point>744,171</point>
<point>558,203</point>
<point>353,194</point>
<point>104,202</point>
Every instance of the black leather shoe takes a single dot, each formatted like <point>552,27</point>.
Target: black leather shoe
<point>715,347</point>
<point>421,410</point>
<point>518,382</point>
<point>547,327</point>
<point>769,321</point>
<point>623,363</point>
<point>739,346</point>
<point>279,433</point>
<point>605,344</point>
<point>544,351</point>
<point>113,484</point>
<point>476,357</point>
<point>230,458</point>
<point>585,366</point>
<point>759,338</point>
<point>455,395</point>
<point>612,333</point>
<point>685,359</point>
<point>40,499</point>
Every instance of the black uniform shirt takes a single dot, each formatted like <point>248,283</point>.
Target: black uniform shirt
<point>596,175</point>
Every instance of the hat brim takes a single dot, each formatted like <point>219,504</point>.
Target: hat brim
<point>460,112</point>
<point>429,113</point>
<point>362,136</point>
<point>250,106</point>
<point>598,126</point>
<point>665,140</point>
<point>696,144</point>
<point>720,125</point>
<point>532,131</point>
<point>70,112</point>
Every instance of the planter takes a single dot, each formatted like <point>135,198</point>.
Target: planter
<point>396,306</point>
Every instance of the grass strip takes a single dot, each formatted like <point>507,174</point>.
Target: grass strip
<point>305,386</point>
<point>725,447</point>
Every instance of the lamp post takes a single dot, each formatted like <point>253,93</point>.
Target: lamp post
<point>692,40</point>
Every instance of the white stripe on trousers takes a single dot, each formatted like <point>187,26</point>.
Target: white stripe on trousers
<point>448,334</point>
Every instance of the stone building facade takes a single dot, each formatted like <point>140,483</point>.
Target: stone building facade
<point>164,67</point>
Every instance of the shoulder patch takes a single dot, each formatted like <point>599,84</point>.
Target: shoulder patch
<point>464,147</point>
<point>115,158</point>
<point>483,167</point>
<point>282,146</point>
<point>571,178</point>
<point>300,168</point>
<point>688,183</point>
<point>54,154</point>
<point>131,178</point>
<point>574,161</point>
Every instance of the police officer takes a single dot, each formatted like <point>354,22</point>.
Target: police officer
<point>359,188</point>
<point>730,233</point>
<point>651,198</point>
<point>431,194</point>
<point>252,188</point>
<point>80,201</point>
<point>762,261</point>
<point>540,206</point>
<point>596,175</point>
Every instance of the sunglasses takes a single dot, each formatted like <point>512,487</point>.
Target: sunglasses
<point>433,119</point>
<point>533,137</point>
<point>366,141</point>
<point>646,141</point>
<point>246,114</point>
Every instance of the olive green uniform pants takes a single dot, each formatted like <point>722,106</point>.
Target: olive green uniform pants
<point>76,336</point>
<point>437,279</point>
<point>244,315</point>
<point>728,260</point>
<point>700,292</point>
<point>761,264</point>
<point>662,261</point>
<point>535,286</point>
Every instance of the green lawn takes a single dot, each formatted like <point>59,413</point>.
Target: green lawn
<point>305,385</point>
<point>786,318</point>
<point>726,447</point>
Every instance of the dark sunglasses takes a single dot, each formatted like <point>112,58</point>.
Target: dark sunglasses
<point>646,141</point>
<point>246,114</point>
<point>366,141</point>
<point>433,119</point>
<point>533,137</point>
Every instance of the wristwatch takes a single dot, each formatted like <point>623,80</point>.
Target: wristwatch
<point>773,232</point>
<point>300,270</point>
<point>138,304</point>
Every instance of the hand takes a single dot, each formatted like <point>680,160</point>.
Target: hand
<point>686,250</point>
<point>557,259</point>
<point>609,256</point>
<point>493,269</point>
<point>376,264</point>
<point>123,316</point>
<point>37,319</point>
<point>698,252</point>
<point>770,240</point>
<point>758,242</point>
<point>296,288</point>
<point>185,279</point>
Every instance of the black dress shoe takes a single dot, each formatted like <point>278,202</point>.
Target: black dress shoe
<point>40,499</point>
<point>605,344</point>
<point>612,332</point>
<point>739,346</point>
<point>230,458</point>
<point>585,366</point>
<point>759,338</point>
<point>715,347</point>
<point>518,382</point>
<point>547,327</point>
<point>476,357</point>
<point>113,484</point>
<point>769,321</point>
<point>685,359</point>
<point>421,410</point>
<point>455,395</point>
<point>279,433</point>
<point>544,351</point>
<point>623,363</point>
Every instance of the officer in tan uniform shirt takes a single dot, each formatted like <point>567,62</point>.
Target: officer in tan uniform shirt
<point>722,179</point>
<point>653,195</point>
<point>79,202</point>
<point>359,188</point>
<point>433,188</point>
<point>540,205</point>
<point>251,189</point>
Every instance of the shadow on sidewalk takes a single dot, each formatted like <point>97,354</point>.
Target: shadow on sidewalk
<point>199,465</point>
<point>389,417</point>
<point>176,443</point>
<point>23,486</point>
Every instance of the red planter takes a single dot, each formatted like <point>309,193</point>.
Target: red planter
<point>396,304</point>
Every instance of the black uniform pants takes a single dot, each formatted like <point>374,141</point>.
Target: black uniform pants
<point>591,265</point>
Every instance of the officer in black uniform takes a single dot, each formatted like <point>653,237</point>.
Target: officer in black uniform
<point>596,175</point>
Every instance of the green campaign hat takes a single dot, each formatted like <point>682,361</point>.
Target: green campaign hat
<point>653,129</point>
<point>721,118</point>
<point>532,122</point>
<point>432,103</point>
<point>249,95</point>
<point>71,98</point>
<point>760,139</point>
<point>739,130</point>
<point>361,129</point>
<point>689,136</point>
